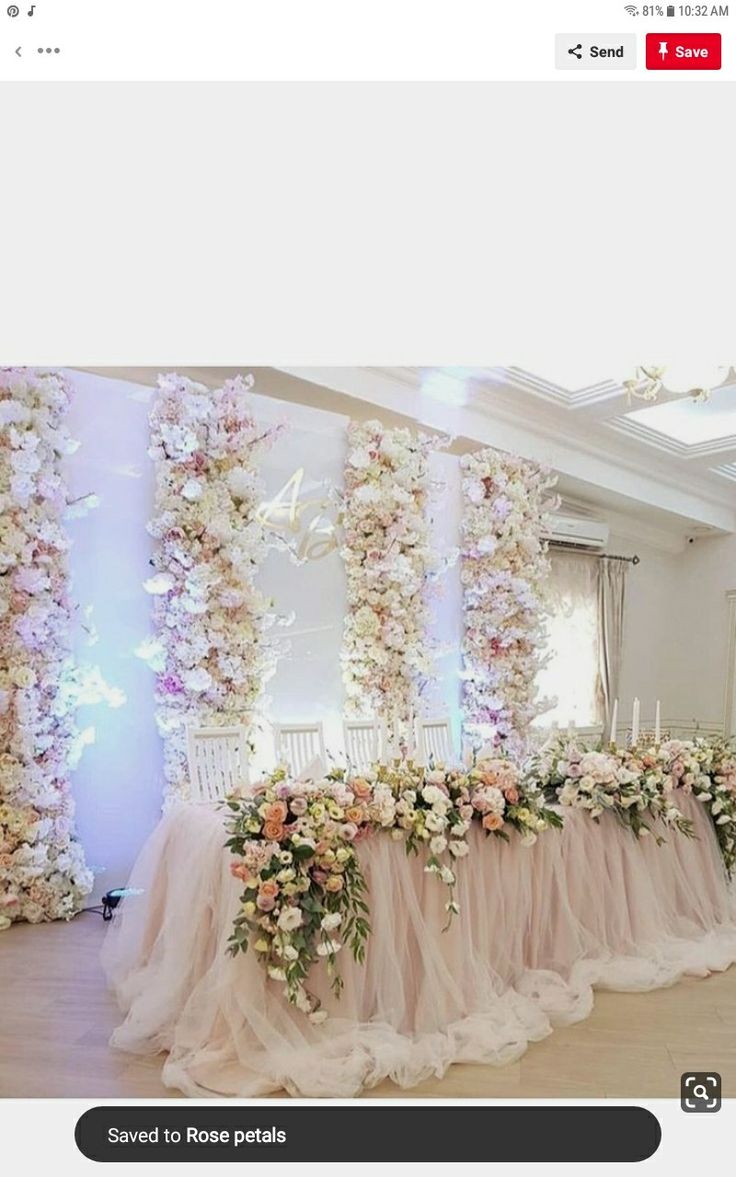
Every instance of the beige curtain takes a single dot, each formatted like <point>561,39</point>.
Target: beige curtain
<point>611,599</point>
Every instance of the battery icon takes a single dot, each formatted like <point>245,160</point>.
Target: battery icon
<point>670,10</point>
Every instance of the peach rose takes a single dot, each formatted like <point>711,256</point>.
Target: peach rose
<point>239,870</point>
<point>334,883</point>
<point>360,787</point>
<point>356,814</point>
<point>276,812</point>
<point>274,831</point>
<point>492,821</point>
<point>269,888</point>
<point>511,794</point>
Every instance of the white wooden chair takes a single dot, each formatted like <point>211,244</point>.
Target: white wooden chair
<point>298,744</point>
<point>435,741</point>
<point>218,761</point>
<point>362,743</point>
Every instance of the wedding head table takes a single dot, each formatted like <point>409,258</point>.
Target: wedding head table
<point>537,929</point>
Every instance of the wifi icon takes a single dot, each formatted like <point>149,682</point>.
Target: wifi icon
<point>631,9</point>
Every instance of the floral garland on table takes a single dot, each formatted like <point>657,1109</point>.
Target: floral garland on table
<point>389,561</point>
<point>305,895</point>
<point>43,875</point>
<point>504,565</point>
<point>633,784</point>
<point>707,769</point>
<point>211,651</point>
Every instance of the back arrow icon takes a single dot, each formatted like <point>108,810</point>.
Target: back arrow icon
<point>17,52</point>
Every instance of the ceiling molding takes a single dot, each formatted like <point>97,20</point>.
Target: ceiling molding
<point>508,419</point>
<point>661,441</point>
<point>593,394</point>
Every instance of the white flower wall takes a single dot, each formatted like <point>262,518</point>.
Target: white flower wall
<point>504,568</point>
<point>389,561</point>
<point>211,650</point>
<point>43,874</point>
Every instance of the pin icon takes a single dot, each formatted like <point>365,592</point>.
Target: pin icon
<point>13,10</point>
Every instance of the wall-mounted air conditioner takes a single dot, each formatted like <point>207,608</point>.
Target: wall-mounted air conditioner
<point>567,531</point>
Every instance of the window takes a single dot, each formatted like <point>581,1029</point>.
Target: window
<point>571,674</point>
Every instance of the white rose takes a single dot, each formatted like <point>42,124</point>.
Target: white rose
<point>289,919</point>
<point>331,921</point>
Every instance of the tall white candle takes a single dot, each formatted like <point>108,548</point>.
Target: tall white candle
<point>657,725</point>
<point>614,721</point>
<point>635,723</point>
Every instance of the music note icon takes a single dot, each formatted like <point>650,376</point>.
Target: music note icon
<point>31,10</point>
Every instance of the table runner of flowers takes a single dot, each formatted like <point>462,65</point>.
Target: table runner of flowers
<point>506,500</point>
<point>295,842</point>
<point>211,652</point>
<point>639,786</point>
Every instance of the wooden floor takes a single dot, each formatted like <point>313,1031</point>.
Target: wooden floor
<point>56,1017</point>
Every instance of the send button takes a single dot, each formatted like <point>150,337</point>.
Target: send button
<point>585,51</point>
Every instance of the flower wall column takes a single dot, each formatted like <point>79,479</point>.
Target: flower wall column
<point>386,655</point>
<point>211,650</point>
<point>504,566</point>
<point>43,874</point>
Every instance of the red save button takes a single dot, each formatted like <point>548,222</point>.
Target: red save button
<point>683,50</point>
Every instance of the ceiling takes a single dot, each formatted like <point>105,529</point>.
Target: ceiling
<point>667,471</point>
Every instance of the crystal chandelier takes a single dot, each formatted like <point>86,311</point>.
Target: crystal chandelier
<point>651,379</point>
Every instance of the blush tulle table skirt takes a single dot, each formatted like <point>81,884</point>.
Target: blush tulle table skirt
<point>539,929</point>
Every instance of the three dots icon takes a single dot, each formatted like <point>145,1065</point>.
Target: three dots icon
<point>42,50</point>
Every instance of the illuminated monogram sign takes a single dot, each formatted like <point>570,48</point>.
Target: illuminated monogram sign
<point>303,524</point>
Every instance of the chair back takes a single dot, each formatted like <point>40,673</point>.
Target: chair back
<point>218,761</point>
<point>362,743</point>
<point>298,744</point>
<point>435,741</point>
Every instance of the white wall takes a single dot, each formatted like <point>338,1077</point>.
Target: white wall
<point>706,571</point>
<point>676,628</point>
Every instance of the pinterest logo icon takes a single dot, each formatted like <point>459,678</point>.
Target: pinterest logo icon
<point>13,10</point>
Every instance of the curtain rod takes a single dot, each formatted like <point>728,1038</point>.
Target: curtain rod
<point>596,555</point>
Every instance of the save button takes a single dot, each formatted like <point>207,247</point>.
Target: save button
<point>683,50</point>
